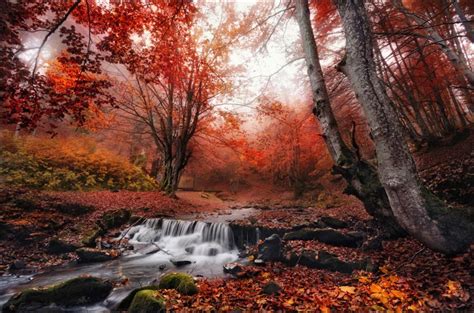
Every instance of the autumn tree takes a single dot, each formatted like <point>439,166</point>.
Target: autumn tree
<point>416,209</point>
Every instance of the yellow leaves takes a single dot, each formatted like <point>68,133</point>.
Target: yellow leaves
<point>265,275</point>
<point>324,309</point>
<point>455,290</point>
<point>374,288</point>
<point>347,289</point>
<point>364,279</point>
<point>289,303</point>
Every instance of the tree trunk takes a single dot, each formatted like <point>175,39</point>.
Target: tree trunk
<point>361,177</point>
<point>467,24</point>
<point>418,212</point>
<point>436,38</point>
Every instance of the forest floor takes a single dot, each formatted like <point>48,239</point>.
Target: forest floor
<point>403,275</point>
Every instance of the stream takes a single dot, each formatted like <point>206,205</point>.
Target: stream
<point>158,246</point>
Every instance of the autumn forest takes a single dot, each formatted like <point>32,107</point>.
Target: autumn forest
<point>236,156</point>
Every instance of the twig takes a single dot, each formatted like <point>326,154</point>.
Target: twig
<point>126,232</point>
<point>411,259</point>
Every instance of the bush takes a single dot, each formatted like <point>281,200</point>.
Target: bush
<point>66,164</point>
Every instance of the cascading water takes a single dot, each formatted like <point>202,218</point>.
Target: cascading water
<point>164,241</point>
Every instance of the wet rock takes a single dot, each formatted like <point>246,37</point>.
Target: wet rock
<point>183,283</point>
<point>270,249</point>
<point>326,235</point>
<point>271,288</point>
<point>333,222</point>
<point>74,292</point>
<point>232,268</point>
<point>18,265</point>
<point>162,267</point>
<point>91,255</point>
<point>58,246</point>
<point>147,301</point>
<point>127,301</point>
<point>180,262</point>
<point>213,252</point>
<point>259,262</point>
<point>318,224</point>
<point>328,261</point>
<point>189,250</point>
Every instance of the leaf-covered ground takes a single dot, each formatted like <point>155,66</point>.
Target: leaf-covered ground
<point>407,277</point>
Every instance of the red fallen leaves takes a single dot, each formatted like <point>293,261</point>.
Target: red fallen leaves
<point>304,289</point>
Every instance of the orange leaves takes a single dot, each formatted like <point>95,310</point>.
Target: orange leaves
<point>455,290</point>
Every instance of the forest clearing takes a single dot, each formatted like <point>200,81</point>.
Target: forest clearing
<point>236,156</point>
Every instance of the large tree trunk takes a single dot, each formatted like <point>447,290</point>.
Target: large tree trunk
<point>361,177</point>
<point>467,24</point>
<point>418,211</point>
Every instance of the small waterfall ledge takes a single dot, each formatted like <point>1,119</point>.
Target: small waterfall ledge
<point>199,244</point>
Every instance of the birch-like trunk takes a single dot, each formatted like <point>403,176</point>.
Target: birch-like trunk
<point>418,212</point>
<point>361,177</point>
<point>467,24</point>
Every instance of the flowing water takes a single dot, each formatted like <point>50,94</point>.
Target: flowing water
<point>156,243</point>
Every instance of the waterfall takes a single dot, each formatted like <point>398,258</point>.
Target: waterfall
<point>184,237</point>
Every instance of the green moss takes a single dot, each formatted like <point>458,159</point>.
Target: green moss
<point>76,291</point>
<point>90,238</point>
<point>147,301</point>
<point>125,303</point>
<point>184,283</point>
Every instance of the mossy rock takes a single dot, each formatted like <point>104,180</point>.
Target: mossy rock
<point>91,237</point>
<point>125,303</point>
<point>91,255</point>
<point>74,292</point>
<point>183,283</point>
<point>147,301</point>
<point>116,218</point>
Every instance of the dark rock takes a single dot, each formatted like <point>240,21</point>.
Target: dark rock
<point>180,262</point>
<point>58,246</point>
<point>328,261</point>
<point>18,265</point>
<point>189,250</point>
<point>298,227</point>
<point>74,292</point>
<point>333,222</point>
<point>271,288</point>
<point>318,224</point>
<point>162,267</point>
<point>373,244</point>
<point>213,252</point>
<point>232,268</point>
<point>270,249</point>
<point>90,255</point>
<point>327,235</point>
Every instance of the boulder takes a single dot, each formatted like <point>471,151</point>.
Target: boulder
<point>213,252</point>
<point>183,283</point>
<point>90,239</point>
<point>74,292</point>
<point>232,268</point>
<point>58,246</point>
<point>333,222</point>
<point>326,235</point>
<point>180,262</point>
<point>271,288</point>
<point>18,265</point>
<point>147,301</point>
<point>90,255</point>
<point>327,261</point>
<point>270,249</point>
<point>125,303</point>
